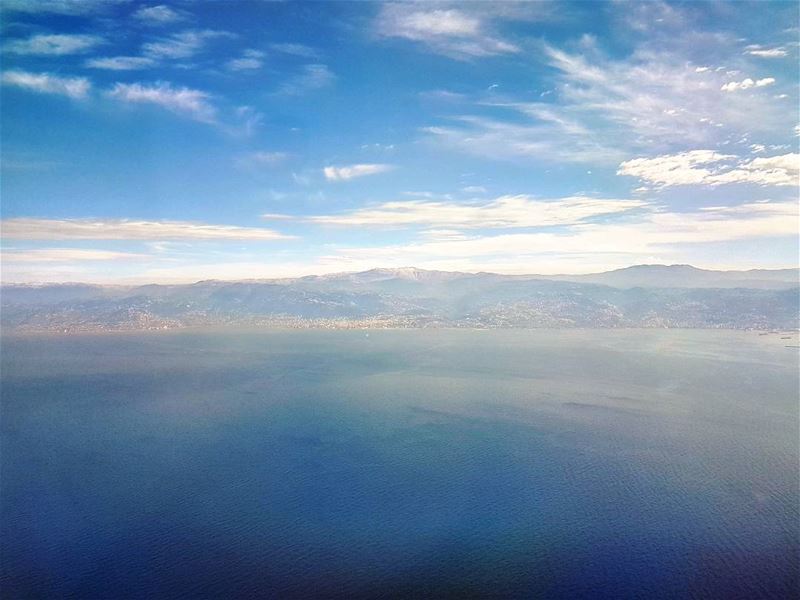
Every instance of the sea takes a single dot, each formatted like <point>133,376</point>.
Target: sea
<point>400,464</point>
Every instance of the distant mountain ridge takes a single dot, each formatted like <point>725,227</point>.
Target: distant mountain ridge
<point>690,277</point>
<point>638,296</point>
<point>655,275</point>
<point>633,276</point>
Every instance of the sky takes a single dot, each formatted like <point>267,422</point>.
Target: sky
<point>147,142</point>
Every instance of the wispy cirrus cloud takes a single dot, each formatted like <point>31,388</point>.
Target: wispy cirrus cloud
<point>765,52</point>
<point>158,15</point>
<point>246,120</point>
<point>311,77</point>
<point>707,167</point>
<point>251,59</point>
<point>46,83</point>
<point>344,173</point>
<point>54,44</point>
<point>443,96</point>
<point>502,212</point>
<point>660,98</point>
<point>185,44</point>
<point>66,255</point>
<point>191,103</point>
<point>182,45</point>
<point>532,131</point>
<point>601,108</point>
<point>121,63</point>
<point>128,229</point>
<point>453,32</point>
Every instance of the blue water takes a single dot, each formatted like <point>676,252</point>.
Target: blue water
<point>555,464</point>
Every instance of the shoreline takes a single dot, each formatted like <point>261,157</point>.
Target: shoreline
<point>244,329</point>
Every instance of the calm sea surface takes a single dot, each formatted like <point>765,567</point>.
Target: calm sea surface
<point>556,464</point>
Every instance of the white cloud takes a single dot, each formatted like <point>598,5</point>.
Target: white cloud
<point>706,167</point>
<point>658,236</point>
<point>640,236</point>
<point>54,44</point>
<point>603,109</point>
<point>312,77</point>
<point>762,52</point>
<point>454,32</point>
<point>678,169</point>
<point>121,63</point>
<point>353,171</point>
<point>250,59</point>
<point>47,255</point>
<point>46,83</point>
<point>127,229</point>
<point>158,15</point>
<point>746,84</point>
<point>185,101</point>
<point>503,212</point>
<point>182,45</point>
<point>767,170</point>
<point>419,25</point>
<point>657,97</point>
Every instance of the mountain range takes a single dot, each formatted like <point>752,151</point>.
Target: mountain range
<point>637,296</point>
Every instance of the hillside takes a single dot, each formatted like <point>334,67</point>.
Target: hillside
<point>641,296</point>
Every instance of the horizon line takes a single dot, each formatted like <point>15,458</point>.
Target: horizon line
<point>143,282</point>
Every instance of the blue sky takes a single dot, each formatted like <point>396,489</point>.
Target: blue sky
<point>197,140</point>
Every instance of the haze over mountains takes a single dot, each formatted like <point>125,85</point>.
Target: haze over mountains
<point>638,296</point>
<point>689,276</point>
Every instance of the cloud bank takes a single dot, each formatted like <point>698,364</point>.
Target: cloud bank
<point>125,229</point>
